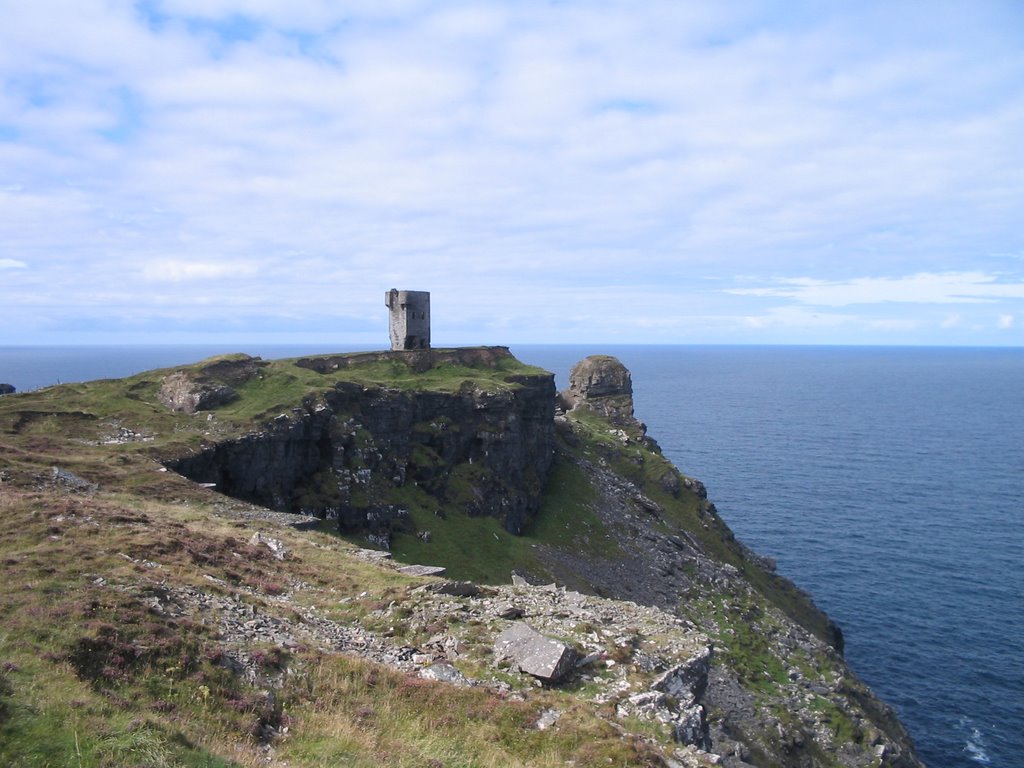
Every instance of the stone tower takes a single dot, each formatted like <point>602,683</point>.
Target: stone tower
<point>410,319</point>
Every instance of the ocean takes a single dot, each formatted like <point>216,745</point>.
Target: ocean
<point>887,482</point>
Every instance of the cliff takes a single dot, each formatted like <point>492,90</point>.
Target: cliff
<point>352,452</point>
<point>163,618</point>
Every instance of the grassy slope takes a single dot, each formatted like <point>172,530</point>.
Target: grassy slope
<point>75,689</point>
<point>688,512</point>
<point>91,676</point>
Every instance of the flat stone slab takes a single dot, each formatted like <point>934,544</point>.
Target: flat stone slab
<point>422,570</point>
<point>374,554</point>
<point>542,657</point>
<point>456,588</point>
<point>290,519</point>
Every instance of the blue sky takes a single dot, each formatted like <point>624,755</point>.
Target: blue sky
<point>563,172</point>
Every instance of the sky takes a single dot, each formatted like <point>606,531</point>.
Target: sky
<point>785,172</point>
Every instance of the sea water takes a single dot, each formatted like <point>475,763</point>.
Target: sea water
<point>887,482</point>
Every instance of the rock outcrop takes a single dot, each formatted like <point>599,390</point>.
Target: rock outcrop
<point>7,389</point>
<point>210,387</point>
<point>602,384</point>
<point>183,394</point>
<point>695,647</point>
<point>348,454</point>
<point>531,652</point>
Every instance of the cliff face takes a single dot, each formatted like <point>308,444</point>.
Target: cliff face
<point>689,650</point>
<point>348,452</point>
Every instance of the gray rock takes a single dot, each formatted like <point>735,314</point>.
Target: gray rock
<point>422,570</point>
<point>445,673</point>
<point>696,486</point>
<point>274,545</point>
<point>649,704</point>
<point>589,659</point>
<point>374,554</point>
<point>692,728</point>
<point>687,681</point>
<point>180,392</point>
<point>70,480</point>
<point>456,588</point>
<point>509,611</point>
<point>547,719</point>
<point>602,384</point>
<point>542,657</point>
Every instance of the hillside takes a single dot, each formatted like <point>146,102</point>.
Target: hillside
<point>248,614</point>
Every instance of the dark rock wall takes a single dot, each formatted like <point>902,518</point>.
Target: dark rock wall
<point>349,455</point>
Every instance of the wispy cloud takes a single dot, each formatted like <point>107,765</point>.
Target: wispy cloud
<point>176,271</point>
<point>530,153</point>
<point>922,288</point>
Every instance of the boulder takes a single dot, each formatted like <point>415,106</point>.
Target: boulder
<point>71,481</point>
<point>445,673</point>
<point>456,588</point>
<point>181,393</point>
<point>542,657</point>
<point>276,546</point>
<point>209,385</point>
<point>508,611</point>
<point>687,682</point>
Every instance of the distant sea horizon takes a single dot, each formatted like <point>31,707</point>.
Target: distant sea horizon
<point>887,481</point>
<point>33,366</point>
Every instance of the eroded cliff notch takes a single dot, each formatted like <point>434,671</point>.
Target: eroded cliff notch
<point>469,430</point>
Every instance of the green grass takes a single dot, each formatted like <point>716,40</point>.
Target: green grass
<point>479,549</point>
<point>446,377</point>
<point>93,678</point>
<point>647,469</point>
<point>90,409</point>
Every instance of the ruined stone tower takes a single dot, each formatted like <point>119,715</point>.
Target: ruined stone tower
<point>410,319</point>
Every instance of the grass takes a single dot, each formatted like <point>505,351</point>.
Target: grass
<point>744,641</point>
<point>648,469</point>
<point>94,409</point>
<point>479,549</point>
<point>91,675</point>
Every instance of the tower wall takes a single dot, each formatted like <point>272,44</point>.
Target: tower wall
<point>409,319</point>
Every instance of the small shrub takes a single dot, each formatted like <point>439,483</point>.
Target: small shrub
<point>103,658</point>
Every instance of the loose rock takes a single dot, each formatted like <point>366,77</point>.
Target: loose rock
<point>542,657</point>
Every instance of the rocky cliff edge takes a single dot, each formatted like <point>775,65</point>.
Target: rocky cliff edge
<point>148,611</point>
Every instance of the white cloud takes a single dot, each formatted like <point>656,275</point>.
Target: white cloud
<point>529,145</point>
<point>889,324</point>
<point>797,318</point>
<point>1006,321</point>
<point>177,271</point>
<point>12,264</point>
<point>921,288</point>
